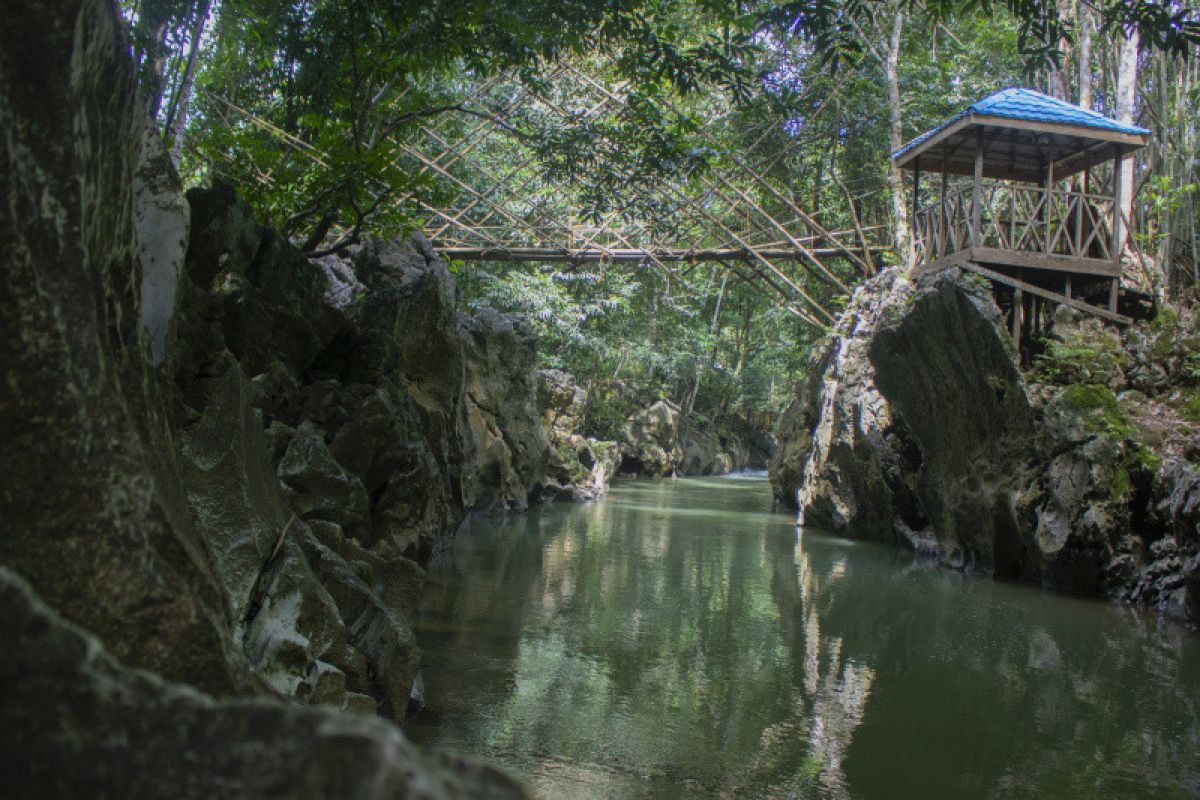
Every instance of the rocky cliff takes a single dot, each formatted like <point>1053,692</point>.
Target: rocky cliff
<point>223,464</point>
<point>657,440</point>
<point>915,424</point>
<point>580,467</point>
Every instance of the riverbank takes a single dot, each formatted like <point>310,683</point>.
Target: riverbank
<point>916,425</point>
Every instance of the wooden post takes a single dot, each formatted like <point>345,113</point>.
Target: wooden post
<point>977,190</point>
<point>944,229</point>
<point>1116,206</point>
<point>1113,290</point>
<point>916,205</point>
<point>1026,315</point>
<point>1047,207</point>
<point>1067,287</point>
<point>1017,304</point>
<point>1080,199</point>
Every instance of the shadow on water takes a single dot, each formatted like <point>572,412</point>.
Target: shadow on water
<point>680,639</point>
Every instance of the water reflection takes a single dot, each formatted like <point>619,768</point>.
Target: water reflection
<point>680,639</point>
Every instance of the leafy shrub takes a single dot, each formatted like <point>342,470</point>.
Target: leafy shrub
<point>1090,354</point>
<point>604,414</point>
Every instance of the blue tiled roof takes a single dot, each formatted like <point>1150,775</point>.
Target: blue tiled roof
<point>1026,104</point>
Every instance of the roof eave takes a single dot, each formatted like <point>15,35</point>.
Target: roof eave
<point>905,156</point>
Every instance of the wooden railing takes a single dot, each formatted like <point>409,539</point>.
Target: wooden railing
<point>1016,217</point>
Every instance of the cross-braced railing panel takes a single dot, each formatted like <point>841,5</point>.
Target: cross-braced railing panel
<point>1019,218</point>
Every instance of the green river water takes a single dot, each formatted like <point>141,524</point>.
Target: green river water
<point>680,638</point>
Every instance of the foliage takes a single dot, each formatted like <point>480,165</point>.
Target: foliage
<point>309,107</point>
<point>1191,409</point>
<point>1089,354</point>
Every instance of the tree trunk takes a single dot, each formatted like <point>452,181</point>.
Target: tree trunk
<point>1087,25</point>
<point>1127,74</point>
<point>903,239</point>
<point>1060,77</point>
<point>177,120</point>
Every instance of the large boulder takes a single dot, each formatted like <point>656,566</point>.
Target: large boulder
<point>507,445</point>
<point>657,440</point>
<point>579,467</point>
<point>916,424</point>
<point>949,373</point>
<point>650,440</point>
<point>80,724</point>
<point>844,457</point>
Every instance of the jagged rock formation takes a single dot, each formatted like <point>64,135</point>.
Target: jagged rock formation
<point>90,727</point>
<point>222,460</point>
<point>336,420</point>
<point>916,425</point>
<point>580,467</point>
<point>658,441</point>
<point>508,451</point>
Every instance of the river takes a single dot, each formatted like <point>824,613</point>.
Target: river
<point>680,638</point>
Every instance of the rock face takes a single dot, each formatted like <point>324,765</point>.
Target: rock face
<point>658,441</point>
<point>916,425</point>
<point>509,451</point>
<point>82,725</point>
<point>580,467</point>
<point>100,526</point>
<point>223,461</point>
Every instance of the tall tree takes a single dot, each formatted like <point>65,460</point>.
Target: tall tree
<point>1127,76</point>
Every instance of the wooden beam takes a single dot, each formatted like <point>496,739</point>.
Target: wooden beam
<point>1032,260</point>
<point>521,253</point>
<point>1053,297</point>
<point>938,137</point>
<point>1062,129</point>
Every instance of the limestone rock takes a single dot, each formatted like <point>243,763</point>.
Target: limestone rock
<point>650,441</point>
<point>915,424</point>
<point>949,374</point>
<point>579,467</point>
<point>100,526</point>
<point>798,423</point>
<point>509,450</point>
<point>77,723</point>
<point>847,467</point>
<point>318,486</point>
<point>658,441</point>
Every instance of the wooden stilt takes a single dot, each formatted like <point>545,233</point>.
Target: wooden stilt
<point>1017,305</point>
<point>1113,290</point>
<point>1026,316</point>
<point>1067,285</point>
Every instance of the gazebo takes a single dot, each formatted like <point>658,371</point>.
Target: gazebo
<point>1038,217</point>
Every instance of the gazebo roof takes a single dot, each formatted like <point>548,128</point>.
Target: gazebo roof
<point>1023,131</point>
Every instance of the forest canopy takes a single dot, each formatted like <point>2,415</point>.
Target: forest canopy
<point>318,112</point>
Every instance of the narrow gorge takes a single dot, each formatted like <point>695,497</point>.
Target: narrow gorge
<point>564,400</point>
